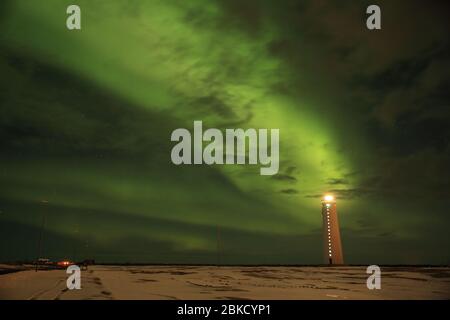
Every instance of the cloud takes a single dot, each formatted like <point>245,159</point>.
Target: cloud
<point>334,181</point>
<point>284,177</point>
<point>289,191</point>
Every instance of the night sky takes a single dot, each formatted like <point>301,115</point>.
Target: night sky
<point>86,119</point>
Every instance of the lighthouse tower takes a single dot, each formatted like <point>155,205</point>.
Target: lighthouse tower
<point>332,247</point>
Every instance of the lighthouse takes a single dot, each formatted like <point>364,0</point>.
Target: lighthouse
<point>332,247</point>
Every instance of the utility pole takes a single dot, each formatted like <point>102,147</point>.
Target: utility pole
<point>75,242</point>
<point>41,235</point>
<point>218,245</point>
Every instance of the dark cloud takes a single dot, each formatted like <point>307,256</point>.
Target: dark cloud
<point>284,177</point>
<point>289,191</point>
<point>287,173</point>
<point>63,114</point>
<point>246,15</point>
<point>334,181</point>
<point>342,194</point>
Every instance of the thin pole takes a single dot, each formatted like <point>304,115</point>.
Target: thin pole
<point>75,240</point>
<point>41,237</point>
<point>218,245</point>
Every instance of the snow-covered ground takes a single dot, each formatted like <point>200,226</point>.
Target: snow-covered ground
<point>209,282</point>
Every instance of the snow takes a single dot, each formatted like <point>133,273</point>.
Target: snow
<point>227,282</point>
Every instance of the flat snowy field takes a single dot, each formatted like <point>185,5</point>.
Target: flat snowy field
<point>209,282</point>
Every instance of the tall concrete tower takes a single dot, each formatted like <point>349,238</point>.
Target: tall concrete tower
<point>332,247</point>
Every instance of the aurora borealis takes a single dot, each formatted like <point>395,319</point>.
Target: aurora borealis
<point>86,118</point>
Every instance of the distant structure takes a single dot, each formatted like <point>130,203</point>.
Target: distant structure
<point>332,247</point>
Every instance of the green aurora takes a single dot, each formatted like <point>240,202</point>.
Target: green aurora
<point>86,118</point>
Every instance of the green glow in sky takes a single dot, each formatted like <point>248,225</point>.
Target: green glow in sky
<point>87,117</point>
